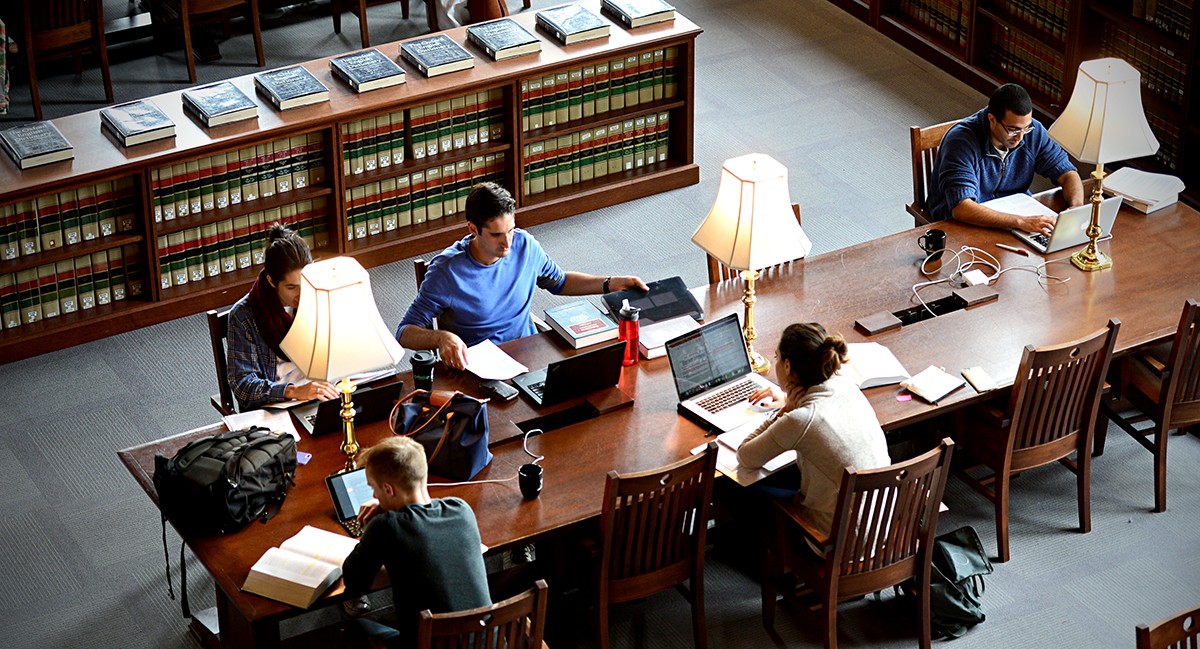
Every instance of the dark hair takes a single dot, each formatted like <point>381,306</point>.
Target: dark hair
<point>488,201</point>
<point>286,252</point>
<point>813,355</point>
<point>1009,98</point>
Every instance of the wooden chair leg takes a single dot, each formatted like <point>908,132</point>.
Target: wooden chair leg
<point>1160,468</point>
<point>187,44</point>
<point>699,624</point>
<point>104,71</point>
<point>602,624</point>
<point>336,9</point>
<point>829,620</point>
<point>363,33</point>
<point>770,595</point>
<point>31,70</point>
<point>1084,481</point>
<point>404,9</point>
<point>1001,487</point>
<point>923,611</point>
<point>257,25</point>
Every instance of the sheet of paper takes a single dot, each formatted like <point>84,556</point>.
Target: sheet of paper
<point>728,465</point>
<point>1020,204</point>
<point>489,362</point>
<point>1143,185</point>
<point>274,420</point>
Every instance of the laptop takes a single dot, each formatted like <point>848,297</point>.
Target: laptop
<point>713,376</point>
<point>370,404</point>
<point>349,490</point>
<point>571,377</point>
<point>667,298</point>
<point>1071,228</point>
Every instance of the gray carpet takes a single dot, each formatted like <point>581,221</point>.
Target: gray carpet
<point>798,79</point>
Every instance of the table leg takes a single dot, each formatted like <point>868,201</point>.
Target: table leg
<point>236,632</point>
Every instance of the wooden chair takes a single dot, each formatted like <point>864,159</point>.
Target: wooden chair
<point>718,272</point>
<point>420,267</point>
<point>186,14</point>
<point>653,526</point>
<point>359,9</point>
<point>1163,389</point>
<point>1051,414</point>
<point>1179,632</point>
<point>57,28</point>
<point>218,332</point>
<point>882,534</point>
<point>516,623</point>
<point>479,10</point>
<point>925,144</point>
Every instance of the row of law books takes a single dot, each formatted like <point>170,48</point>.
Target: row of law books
<point>1027,59</point>
<point>594,153</point>
<point>1050,16</point>
<point>414,198</point>
<point>1170,139</point>
<point>580,93</point>
<point>71,285</point>
<point>231,244</point>
<point>1164,72</point>
<point>66,218</point>
<point>218,181</point>
<point>950,19</point>
<point>1171,16</point>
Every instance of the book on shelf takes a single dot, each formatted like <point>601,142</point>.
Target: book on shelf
<point>503,39</point>
<point>933,384</point>
<point>36,144</point>
<point>636,13</point>
<point>581,324</point>
<point>302,568</point>
<point>437,54</point>
<point>367,70</point>
<point>219,103</point>
<point>137,122</point>
<point>572,24</point>
<point>872,365</point>
<point>652,338</point>
<point>291,87</point>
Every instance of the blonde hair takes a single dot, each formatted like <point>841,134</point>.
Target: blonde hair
<point>813,355</point>
<point>397,460</point>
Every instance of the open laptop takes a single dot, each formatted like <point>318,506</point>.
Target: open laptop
<point>713,376</point>
<point>370,404</point>
<point>1071,227</point>
<point>349,490</point>
<point>573,376</point>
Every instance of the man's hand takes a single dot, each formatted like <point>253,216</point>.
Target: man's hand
<point>368,510</point>
<point>1038,223</point>
<point>319,390</point>
<point>623,283</point>
<point>452,349</point>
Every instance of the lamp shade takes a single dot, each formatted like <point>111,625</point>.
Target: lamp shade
<point>1104,120</point>
<point>337,330</point>
<point>751,224</point>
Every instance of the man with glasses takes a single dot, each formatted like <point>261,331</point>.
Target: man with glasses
<point>995,153</point>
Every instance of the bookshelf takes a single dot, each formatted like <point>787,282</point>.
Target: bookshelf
<point>379,176</point>
<point>1040,43</point>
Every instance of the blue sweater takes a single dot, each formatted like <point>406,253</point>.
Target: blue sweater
<point>968,166</point>
<point>480,302</point>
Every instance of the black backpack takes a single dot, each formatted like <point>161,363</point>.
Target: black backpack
<point>955,583</point>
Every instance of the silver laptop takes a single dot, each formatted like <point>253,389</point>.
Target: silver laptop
<point>713,376</point>
<point>1071,227</point>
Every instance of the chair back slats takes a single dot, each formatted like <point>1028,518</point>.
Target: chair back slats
<point>48,15</point>
<point>1179,632</point>
<point>515,623</point>
<point>925,142</point>
<point>1182,388</point>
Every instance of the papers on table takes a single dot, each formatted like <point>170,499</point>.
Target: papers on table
<point>489,362</point>
<point>273,420</point>
<point>727,464</point>
<point>1143,190</point>
<point>1021,205</point>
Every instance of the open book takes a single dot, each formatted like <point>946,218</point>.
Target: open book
<point>933,383</point>
<point>871,365</point>
<point>302,568</point>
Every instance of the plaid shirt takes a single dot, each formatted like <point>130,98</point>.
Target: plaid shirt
<point>252,362</point>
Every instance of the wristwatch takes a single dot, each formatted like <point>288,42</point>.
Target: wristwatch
<point>606,280</point>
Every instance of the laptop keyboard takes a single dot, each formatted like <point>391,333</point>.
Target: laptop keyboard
<point>1042,239</point>
<point>538,388</point>
<point>719,401</point>
<point>353,527</point>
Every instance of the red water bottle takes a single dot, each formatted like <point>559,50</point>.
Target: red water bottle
<point>628,320</point>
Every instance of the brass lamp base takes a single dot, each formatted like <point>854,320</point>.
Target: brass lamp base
<point>349,443</point>
<point>758,363</point>
<point>1090,258</point>
<point>1089,262</point>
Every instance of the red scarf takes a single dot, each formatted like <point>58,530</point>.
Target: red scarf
<point>273,321</point>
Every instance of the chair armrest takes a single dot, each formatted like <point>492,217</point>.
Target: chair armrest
<point>1151,363</point>
<point>817,537</point>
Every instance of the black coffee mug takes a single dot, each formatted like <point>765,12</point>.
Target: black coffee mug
<point>529,476</point>
<point>933,242</point>
<point>422,368</point>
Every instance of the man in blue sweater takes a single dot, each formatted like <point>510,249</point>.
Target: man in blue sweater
<point>481,288</point>
<point>995,153</point>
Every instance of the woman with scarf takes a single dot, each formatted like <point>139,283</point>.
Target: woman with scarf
<point>259,371</point>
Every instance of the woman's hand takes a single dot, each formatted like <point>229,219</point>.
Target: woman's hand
<point>768,397</point>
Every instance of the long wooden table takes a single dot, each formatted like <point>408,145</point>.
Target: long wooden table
<point>1151,277</point>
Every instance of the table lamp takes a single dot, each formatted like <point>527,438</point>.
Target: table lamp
<point>1103,122</point>
<point>338,332</point>
<point>752,226</point>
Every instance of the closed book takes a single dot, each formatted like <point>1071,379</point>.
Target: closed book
<point>437,54</point>
<point>210,247</point>
<point>302,568</point>
<point>367,70</point>
<point>177,258</point>
<point>68,207</point>
<point>581,324</point>
<point>35,144</point>
<point>635,13</point>
<point>10,238</point>
<point>137,122</point>
<point>10,306</point>
<point>164,265</point>
<point>49,222</point>
<point>208,187</point>
<point>106,209</point>
<point>503,39</point>
<point>653,337</point>
<point>48,290</point>
<point>219,103</point>
<point>872,365</point>
<point>89,213</point>
<point>572,24</point>
<point>100,278</point>
<point>135,276</point>
<point>116,273</point>
<point>403,200</point>
<point>125,204</point>
<point>68,300</point>
<point>445,121</point>
<point>29,303</point>
<point>225,246</point>
<point>194,185</point>
<point>387,191</point>
<point>86,296</point>
<point>374,209</point>
<point>242,242</point>
<point>314,155</point>
<point>291,87</point>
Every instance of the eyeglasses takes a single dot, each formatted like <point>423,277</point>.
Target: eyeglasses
<point>1014,131</point>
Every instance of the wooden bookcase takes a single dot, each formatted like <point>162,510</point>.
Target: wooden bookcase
<point>1040,43</point>
<point>185,264</point>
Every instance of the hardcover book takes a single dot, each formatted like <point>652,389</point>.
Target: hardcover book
<point>581,324</point>
<point>635,13</point>
<point>302,568</point>
<point>219,103</point>
<point>35,144</point>
<point>503,39</point>
<point>572,24</point>
<point>291,87</point>
<point>872,365</point>
<point>367,70</point>
<point>437,54</point>
<point>137,122</point>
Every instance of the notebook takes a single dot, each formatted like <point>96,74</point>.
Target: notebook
<point>349,490</point>
<point>579,374</point>
<point>713,376</point>
<point>1071,228</point>
<point>370,404</point>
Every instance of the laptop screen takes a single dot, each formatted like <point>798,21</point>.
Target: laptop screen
<point>708,357</point>
<point>349,491</point>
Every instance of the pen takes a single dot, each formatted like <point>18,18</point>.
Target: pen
<point>1019,251</point>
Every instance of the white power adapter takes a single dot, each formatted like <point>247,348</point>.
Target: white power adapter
<point>975,277</point>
